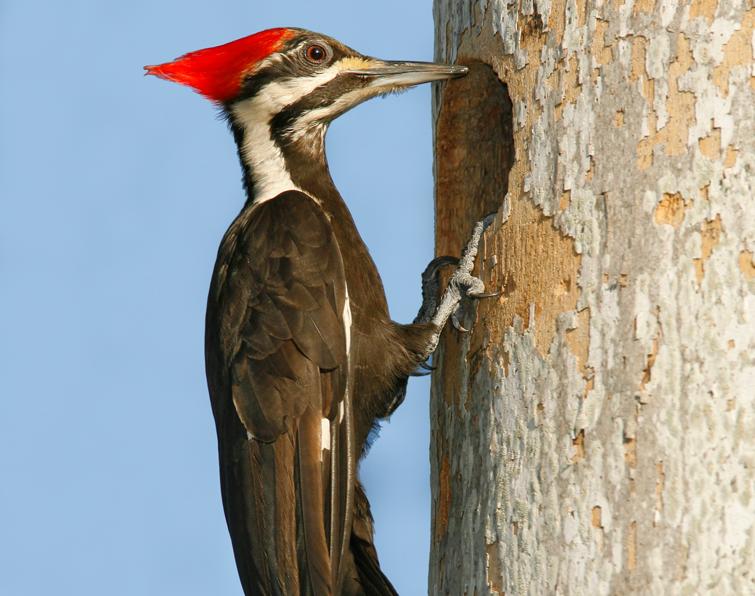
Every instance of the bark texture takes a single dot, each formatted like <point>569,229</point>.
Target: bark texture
<point>595,432</point>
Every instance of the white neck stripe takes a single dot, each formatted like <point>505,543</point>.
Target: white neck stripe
<point>259,151</point>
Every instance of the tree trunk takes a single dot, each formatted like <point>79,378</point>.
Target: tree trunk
<point>594,432</point>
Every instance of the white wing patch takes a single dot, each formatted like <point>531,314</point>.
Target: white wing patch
<point>324,436</point>
<point>325,422</point>
<point>347,328</point>
<point>347,322</point>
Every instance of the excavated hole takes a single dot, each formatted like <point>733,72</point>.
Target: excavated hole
<point>474,151</point>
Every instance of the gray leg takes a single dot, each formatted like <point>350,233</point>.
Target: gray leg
<point>461,284</point>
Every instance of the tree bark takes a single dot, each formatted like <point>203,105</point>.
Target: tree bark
<point>594,432</point>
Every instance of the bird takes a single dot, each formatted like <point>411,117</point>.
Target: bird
<point>302,358</point>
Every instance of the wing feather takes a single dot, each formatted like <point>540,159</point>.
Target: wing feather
<point>277,364</point>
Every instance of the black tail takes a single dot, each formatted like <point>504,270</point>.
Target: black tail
<point>372,579</point>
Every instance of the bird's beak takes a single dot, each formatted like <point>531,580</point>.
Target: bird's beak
<point>390,75</point>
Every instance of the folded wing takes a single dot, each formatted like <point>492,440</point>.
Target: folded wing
<point>278,369</point>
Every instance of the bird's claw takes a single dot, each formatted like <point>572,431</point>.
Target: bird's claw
<point>483,295</point>
<point>424,368</point>
<point>457,324</point>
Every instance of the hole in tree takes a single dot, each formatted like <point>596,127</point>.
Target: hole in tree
<point>474,153</point>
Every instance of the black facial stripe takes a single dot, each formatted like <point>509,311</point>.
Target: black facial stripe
<point>291,63</point>
<point>253,85</point>
<point>320,97</point>
<point>323,96</point>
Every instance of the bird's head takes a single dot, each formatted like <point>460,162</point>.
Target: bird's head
<point>312,77</point>
<point>282,87</point>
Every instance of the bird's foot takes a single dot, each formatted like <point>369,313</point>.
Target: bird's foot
<point>423,369</point>
<point>459,313</point>
<point>426,366</point>
<point>462,284</point>
<point>431,287</point>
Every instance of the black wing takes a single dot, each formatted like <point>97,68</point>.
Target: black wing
<point>277,367</point>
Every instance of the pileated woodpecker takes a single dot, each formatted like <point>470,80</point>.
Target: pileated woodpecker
<point>302,357</point>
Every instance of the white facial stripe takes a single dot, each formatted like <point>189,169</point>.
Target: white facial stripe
<point>259,152</point>
<point>279,94</point>
<point>380,85</point>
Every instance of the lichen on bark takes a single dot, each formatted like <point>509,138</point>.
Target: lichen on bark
<point>595,432</point>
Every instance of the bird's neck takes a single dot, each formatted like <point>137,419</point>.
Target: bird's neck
<point>274,160</point>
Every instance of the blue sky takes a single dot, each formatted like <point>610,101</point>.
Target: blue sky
<point>115,190</point>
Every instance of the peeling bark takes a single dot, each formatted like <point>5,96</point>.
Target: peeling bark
<point>595,432</point>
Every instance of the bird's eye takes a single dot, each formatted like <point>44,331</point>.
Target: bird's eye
<point>316,53</point>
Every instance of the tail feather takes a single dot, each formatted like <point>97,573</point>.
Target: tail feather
<point>315,569</point>
<point>343,478</point>
<point>372,579</point>
<point>279,514</point>
<point>257,482</point>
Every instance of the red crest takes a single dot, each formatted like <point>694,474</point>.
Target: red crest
<point>217,73</point>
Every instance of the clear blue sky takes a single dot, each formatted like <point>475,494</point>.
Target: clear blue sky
<point>115,190</point>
